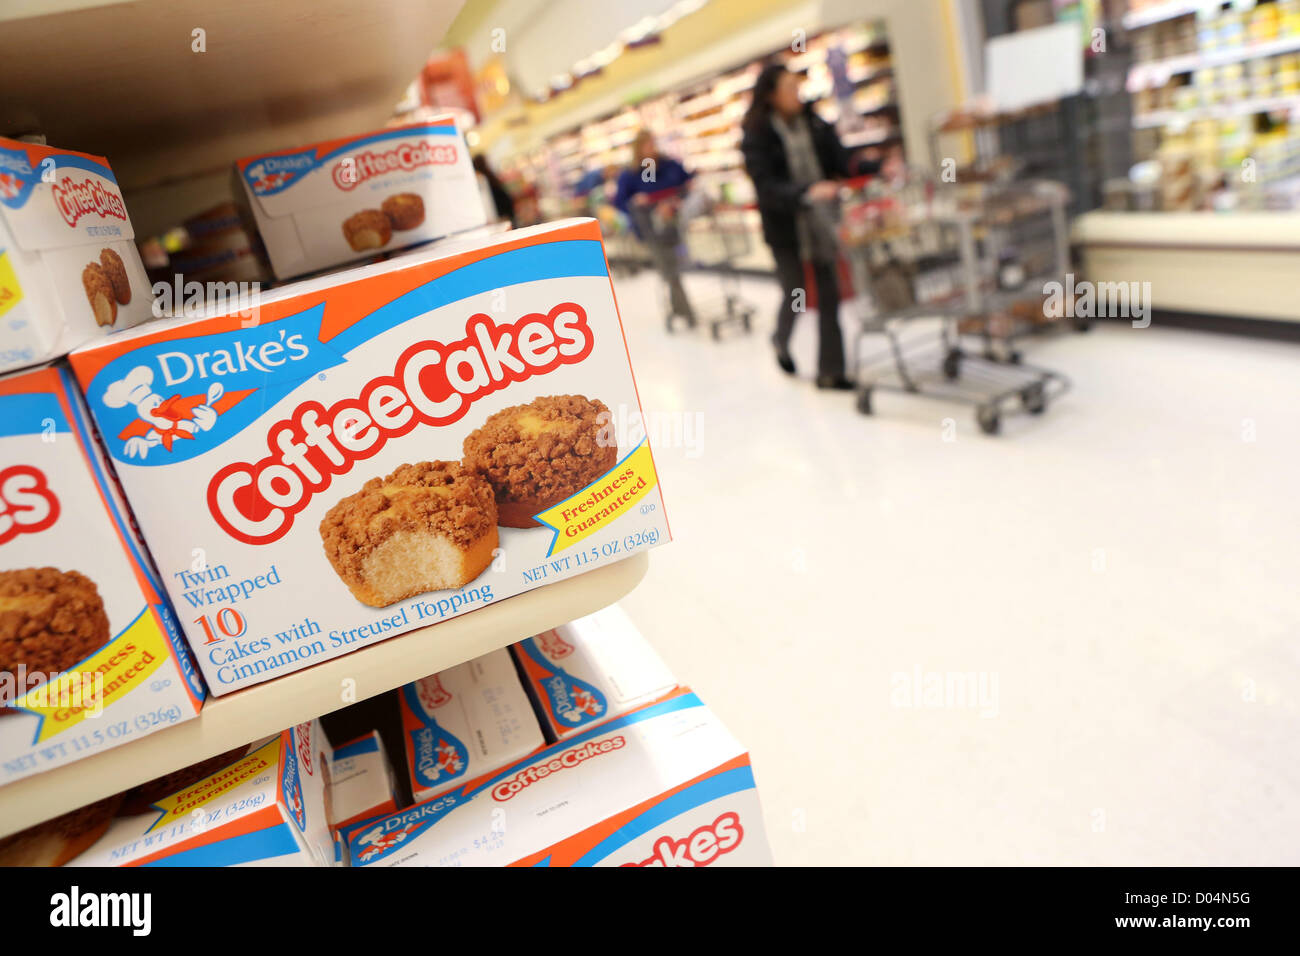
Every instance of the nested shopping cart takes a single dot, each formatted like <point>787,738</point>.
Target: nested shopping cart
<point>920,249</point>
<point>715,237</point>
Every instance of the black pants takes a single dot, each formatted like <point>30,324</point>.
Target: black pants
<point>665,259</point>
<point>790,273</point>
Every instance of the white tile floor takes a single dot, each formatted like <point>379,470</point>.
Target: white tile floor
<point>1121,574</point>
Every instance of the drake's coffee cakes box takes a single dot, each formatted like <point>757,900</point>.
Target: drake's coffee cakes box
<point>347,199</point>
<point>664,785</point>
<point>90,655</point>
<point>381,449</point>
<point>69,269</point>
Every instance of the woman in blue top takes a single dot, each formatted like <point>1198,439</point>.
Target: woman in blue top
<point>653,179</point>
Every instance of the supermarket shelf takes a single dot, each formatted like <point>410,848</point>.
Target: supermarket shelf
<point>247,715</point>
<point>1161,12</point>
<point>122,79</point>
<point>1223,111</point>
<point>1156,72</point>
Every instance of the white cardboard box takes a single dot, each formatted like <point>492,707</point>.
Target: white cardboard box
<point>101,661</point>
<point>361,781</point>
<point>360,786</point>
<point>665,785</point>
<point>464,722</point>
<point>590,670</point>
<point>304,199</point>
<point>61,214</point>
<point>265,809</point>
<point>223,436</point>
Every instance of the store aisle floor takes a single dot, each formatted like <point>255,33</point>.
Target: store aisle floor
<point>1113,581</point>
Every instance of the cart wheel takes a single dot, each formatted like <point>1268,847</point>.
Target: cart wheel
<point>1033,398</point>
<point>864,400</point>
<point>716,331</point>
<point>952,364</point>
<point>988,418</point>
<point>1013,357</point>
<point>744,322</point>
<point>1082,325</point>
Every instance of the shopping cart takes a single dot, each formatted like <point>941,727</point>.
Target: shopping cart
<point>715,237</point>
<point>925,250</point>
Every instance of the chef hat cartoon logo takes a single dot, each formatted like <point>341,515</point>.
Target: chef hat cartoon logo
<point>160,421</point>
<point>375,842</point>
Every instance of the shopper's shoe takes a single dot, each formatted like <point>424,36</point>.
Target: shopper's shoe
<point>838,382</point>
<point>784,360</point>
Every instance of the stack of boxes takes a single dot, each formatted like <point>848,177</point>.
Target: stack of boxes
<point>364,453</point>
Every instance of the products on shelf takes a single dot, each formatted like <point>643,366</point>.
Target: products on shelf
<point>265,808</point>
<point>665,785</point>
<point>216,247</point>
<point>465,722</point>
<point>250,452</point>
<point>361,781</point>
<point>360,785</point>
<point>330,203</point>
<point>69,269</point>
<point>591,670</point>
<point>90,655</point>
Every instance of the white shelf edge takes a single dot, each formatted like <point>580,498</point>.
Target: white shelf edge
<point>247,715</point>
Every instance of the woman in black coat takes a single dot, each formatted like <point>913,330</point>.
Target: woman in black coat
<point>794,158</point>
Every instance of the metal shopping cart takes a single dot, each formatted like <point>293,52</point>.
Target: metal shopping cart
<point>921,249</point>
<point>715,237</point>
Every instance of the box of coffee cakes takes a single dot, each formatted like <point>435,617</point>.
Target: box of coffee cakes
<point>69,269</point>
<point>353,198</point>
<point>382,449</point>
<point>90,655</point>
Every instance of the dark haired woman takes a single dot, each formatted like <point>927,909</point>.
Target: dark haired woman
<point>793,156</point>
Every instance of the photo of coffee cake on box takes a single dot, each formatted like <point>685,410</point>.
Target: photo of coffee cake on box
<point>538,454</point>
<point>426,527</point>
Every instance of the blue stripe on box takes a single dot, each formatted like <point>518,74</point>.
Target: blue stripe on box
<point>248,848</point>
<point>26,413</point>
<point>365,745</point>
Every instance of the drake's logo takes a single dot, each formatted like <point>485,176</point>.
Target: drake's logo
<point>271,174</point>
<point>163,421</point>
<point>177,398</point>
<point>572,700</point>
<point>375,842</point>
